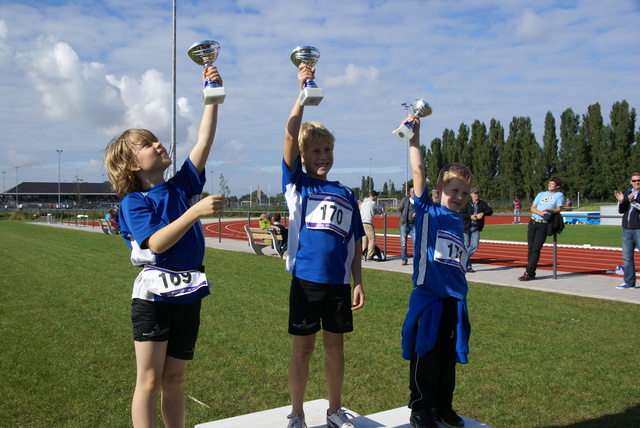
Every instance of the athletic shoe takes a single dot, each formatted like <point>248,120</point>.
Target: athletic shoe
<point>422,419</point>
<point>625,286</point>
<point>404,263</point>
<point>296,421</point>
<point>338,419</point>
<point>526,277</point>
<point>470,270</point>
<point>449,418</point>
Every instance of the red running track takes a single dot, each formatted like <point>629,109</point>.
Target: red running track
<point>573,259</point>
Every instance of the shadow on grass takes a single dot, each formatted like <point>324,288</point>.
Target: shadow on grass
<point>629,418</point>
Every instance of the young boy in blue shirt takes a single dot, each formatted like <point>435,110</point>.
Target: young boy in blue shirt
<point>161,225</point>
<point>436,329</point>
<point>324,252</point>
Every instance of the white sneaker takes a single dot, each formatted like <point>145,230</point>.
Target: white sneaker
<point>296,421</point>
<point>338,419</point>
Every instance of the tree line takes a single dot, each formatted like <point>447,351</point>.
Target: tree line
<point>591,158</point>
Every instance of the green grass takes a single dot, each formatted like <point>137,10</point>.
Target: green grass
<point>66,351</point>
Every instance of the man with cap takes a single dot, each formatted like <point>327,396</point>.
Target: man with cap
<point>473,215</point>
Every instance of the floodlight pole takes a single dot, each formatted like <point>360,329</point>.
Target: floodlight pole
<point>17,167</point>
<point>59,153</point>
<point>173,97</point>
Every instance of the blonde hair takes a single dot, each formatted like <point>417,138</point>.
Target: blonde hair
<point>455,170</point>
<point>119,158</point>
<point>312,133</point>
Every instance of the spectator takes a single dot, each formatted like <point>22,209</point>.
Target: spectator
<point>407,216</point>
<point>434,196</point>
<point>282,231</point>
<point>544,205</point>
<point>436,330</point>
<point>473,214</point>
<point>265,224</point>
<point>629,207</point>
<point>368,209</point>
<point>568,206</point>
<point>325,231</point>
<point>516,210</point>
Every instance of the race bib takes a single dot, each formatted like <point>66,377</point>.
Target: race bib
<point>329,212</point>
<point>168,283</point>
<point>450,250</point>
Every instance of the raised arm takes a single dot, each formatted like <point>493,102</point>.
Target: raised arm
<point>290,149</point>
<point>200,152</point>
<point>415,157</point>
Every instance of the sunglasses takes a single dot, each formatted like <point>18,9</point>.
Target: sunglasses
<point>635,181</point>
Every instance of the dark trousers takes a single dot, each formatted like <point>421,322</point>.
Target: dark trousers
<point>536,236</point>
<point>433,375</point>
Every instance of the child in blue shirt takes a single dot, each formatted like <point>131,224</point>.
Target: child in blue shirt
<point>324,248</point>
<point>161,225</point>
<point>436,329</point>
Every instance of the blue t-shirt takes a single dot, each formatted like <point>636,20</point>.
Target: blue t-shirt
<point>440,256</point>
<point>324,224</point>
<point>144,213</point>
<point>547,201</point>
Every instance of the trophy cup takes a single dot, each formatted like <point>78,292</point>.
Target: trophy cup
<point>405,131</point>
<point>205,53</point>
<point>311,94</point>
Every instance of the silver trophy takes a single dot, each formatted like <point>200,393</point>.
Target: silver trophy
<point>205,53</point>
<point>311,95</point>
<point>405,131</point>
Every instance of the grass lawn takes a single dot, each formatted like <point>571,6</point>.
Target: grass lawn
<point>66,352</point>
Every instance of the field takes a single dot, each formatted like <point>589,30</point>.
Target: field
<point>66,352</point>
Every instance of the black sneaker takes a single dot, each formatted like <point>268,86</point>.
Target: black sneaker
<point>422,419</point>
<point>526,277</point>
<point>449,418</point>
<point>470,270</point>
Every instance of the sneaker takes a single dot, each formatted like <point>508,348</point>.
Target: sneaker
<point>422,419</point>
<point>296,421</point>
<point>526,277</point>
<point>449,418</point>
<point>338,419</point>
<point>404,263</point>
<point>470,270</point>
<point>625,285</point>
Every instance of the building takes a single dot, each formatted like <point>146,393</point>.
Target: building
<point>33,194</point>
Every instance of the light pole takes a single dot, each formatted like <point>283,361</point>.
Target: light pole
<point>406,167</point>
<point>59,153</point>
<point>17,167</point>
<point>370,179</point>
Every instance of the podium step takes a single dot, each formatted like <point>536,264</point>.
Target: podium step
<point>315,417</point>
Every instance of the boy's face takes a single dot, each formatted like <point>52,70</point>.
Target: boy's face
<point>454,195</point>
<point>318,160</point>
<point>152,157</point>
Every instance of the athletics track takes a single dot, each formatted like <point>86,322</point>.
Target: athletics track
<point>574,259</point>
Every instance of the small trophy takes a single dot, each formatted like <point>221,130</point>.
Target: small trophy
<point>311,94</point>
<point>405,131</point>
<point>205,53</point>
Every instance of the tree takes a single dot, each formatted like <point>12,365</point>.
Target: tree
<point>569,128</point>
<point>589,172</point>
<point>511,161</point>
<point>549,147</point>
<point>496,140</point>
<point>462,152</point>
<point>448,146</point>
<point>622,127</point>
<point>484,159</point>
<point>224,187</point>
<point>434,160</point>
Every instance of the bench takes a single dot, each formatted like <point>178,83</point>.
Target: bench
<point>105,225</point>
<point>257,237</point>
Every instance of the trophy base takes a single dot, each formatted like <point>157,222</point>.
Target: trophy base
<point>403,132</point>
<point>311,96</point>
<point>212,95</point>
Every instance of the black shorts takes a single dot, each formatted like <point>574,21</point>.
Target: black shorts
<point>173,322</point>
<point>311,303</point>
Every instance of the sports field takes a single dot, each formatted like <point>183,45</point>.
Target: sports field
<point>66,354</point>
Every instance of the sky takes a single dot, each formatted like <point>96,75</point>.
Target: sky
<point>75,74</point>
